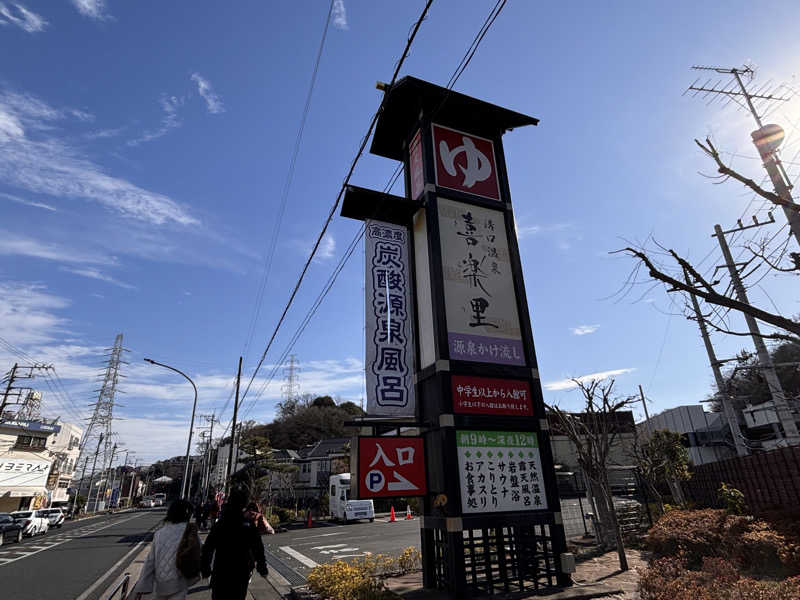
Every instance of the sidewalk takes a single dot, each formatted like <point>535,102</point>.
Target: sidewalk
<point>272,588</point>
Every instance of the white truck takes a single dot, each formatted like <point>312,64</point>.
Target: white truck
<point>344,509</point>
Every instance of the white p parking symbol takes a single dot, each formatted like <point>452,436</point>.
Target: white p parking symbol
<point>375,481</point>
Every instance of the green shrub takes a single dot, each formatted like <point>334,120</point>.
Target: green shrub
<point>731,499</point>
<point>284,514</point>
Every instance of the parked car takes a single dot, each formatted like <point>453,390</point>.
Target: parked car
<point>147,502</point>
<point>33,522</point>
<point>55,516</point>
<point>10,530</point>
<point>160,499</point>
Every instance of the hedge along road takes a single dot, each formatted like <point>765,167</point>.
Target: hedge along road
<point>66,562</point>
<point>302,549</point>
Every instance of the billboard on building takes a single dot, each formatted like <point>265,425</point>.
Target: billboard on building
<point>22,473</point>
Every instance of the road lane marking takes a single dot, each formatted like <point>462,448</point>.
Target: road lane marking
<point>26,554</point>
<point>105,575</point>
<point>326,547</point>
<point>339,550</point>
<point>338,556</point>
<point>300,557</point>
<point>308,537</point>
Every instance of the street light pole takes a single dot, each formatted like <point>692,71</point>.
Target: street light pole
<point>191,423</point>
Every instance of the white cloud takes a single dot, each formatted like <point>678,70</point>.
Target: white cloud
<point>25,202</point>
<point>327,247</point>
<point>529,230</point>
<point>94,9</point>
<point>204,88</point>
<point>568,384</point>
<point>17,14</point>
<point>94,273</point>
<point>26,313</point>
<point>13,244</point>
<point>103,133</point>
<point>48,165</point>
<point>584,329</point>
<point>339,17</point>
<point>170,120</point>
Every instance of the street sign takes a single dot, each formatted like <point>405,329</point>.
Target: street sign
<point>491,396</point>
<point>391,467</point>
<point>415,170</point>
<point>465,162</point>
<point>500,471</point>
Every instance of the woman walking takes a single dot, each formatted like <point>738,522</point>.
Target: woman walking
<point>160,575</point>
<point>235,546</point>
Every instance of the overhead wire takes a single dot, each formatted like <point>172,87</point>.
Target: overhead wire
<point>337,201</point>
<point>469,54</point>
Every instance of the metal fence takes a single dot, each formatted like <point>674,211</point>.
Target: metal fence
<point>769,480</point>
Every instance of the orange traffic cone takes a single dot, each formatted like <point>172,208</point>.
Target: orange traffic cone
<point>408,513</point>
<point>309,523</point>
<point>392,518</point>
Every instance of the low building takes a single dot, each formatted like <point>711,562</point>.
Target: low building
<point>25,463</point>
<point>64,447</point>
<point>621,454</point>
<point>706,435</point>
<point>318,462</point>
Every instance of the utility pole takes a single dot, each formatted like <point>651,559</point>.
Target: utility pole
<point>80,486</point>
<point>766,138</point>
<point>765,360</point>
<point>11,377</point>
<point>646,415</point>
<point>91,477</point>
<point>207,478</point>
<point>727,408</point>
<point>233,431</point>
<point>32,400</point>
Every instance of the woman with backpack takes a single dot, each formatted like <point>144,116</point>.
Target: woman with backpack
<point>173,563</point>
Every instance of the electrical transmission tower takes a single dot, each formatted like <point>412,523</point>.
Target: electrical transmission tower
<point>100,423</point>
<point>767,138</point>
<point>291,389</point>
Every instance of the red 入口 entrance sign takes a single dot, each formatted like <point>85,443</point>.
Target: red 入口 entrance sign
<point>465,162</point>
<point>490,396</point>
<point>391,467</point>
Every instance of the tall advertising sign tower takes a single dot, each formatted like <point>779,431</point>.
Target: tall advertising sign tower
<point>492,521</point>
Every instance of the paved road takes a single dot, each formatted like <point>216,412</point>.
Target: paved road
<point>65,563</point>
<point>294,553</point>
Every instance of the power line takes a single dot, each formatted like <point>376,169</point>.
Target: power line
<point>332,212</point>
<point>286,186</point>
<point>466,59</point>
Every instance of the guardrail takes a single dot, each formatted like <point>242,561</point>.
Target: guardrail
<point>122,588</point>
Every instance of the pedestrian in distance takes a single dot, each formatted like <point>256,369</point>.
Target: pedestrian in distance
<point>173,563</point>
<point>232,549</point>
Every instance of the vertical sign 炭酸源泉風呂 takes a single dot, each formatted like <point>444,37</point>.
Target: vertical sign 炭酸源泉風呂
<point>389,337</point>
<point>500,471</point>
<point>481,303</point>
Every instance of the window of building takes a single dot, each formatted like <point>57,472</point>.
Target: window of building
<point>63,484</point>
<point>30,441</point>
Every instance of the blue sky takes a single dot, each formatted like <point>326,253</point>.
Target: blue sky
<point>144,147</point>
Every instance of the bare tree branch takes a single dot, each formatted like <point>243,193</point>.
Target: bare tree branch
<point>767,336</point>
<point>795,256</point>
<point>711,151</point>
<point>712,296</point>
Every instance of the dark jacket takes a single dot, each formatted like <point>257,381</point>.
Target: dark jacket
<point>235,546</point>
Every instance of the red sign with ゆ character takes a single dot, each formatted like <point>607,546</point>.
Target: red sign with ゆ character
<point>391,466</point>
<point>465,162</point>
<point>490,396</point>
